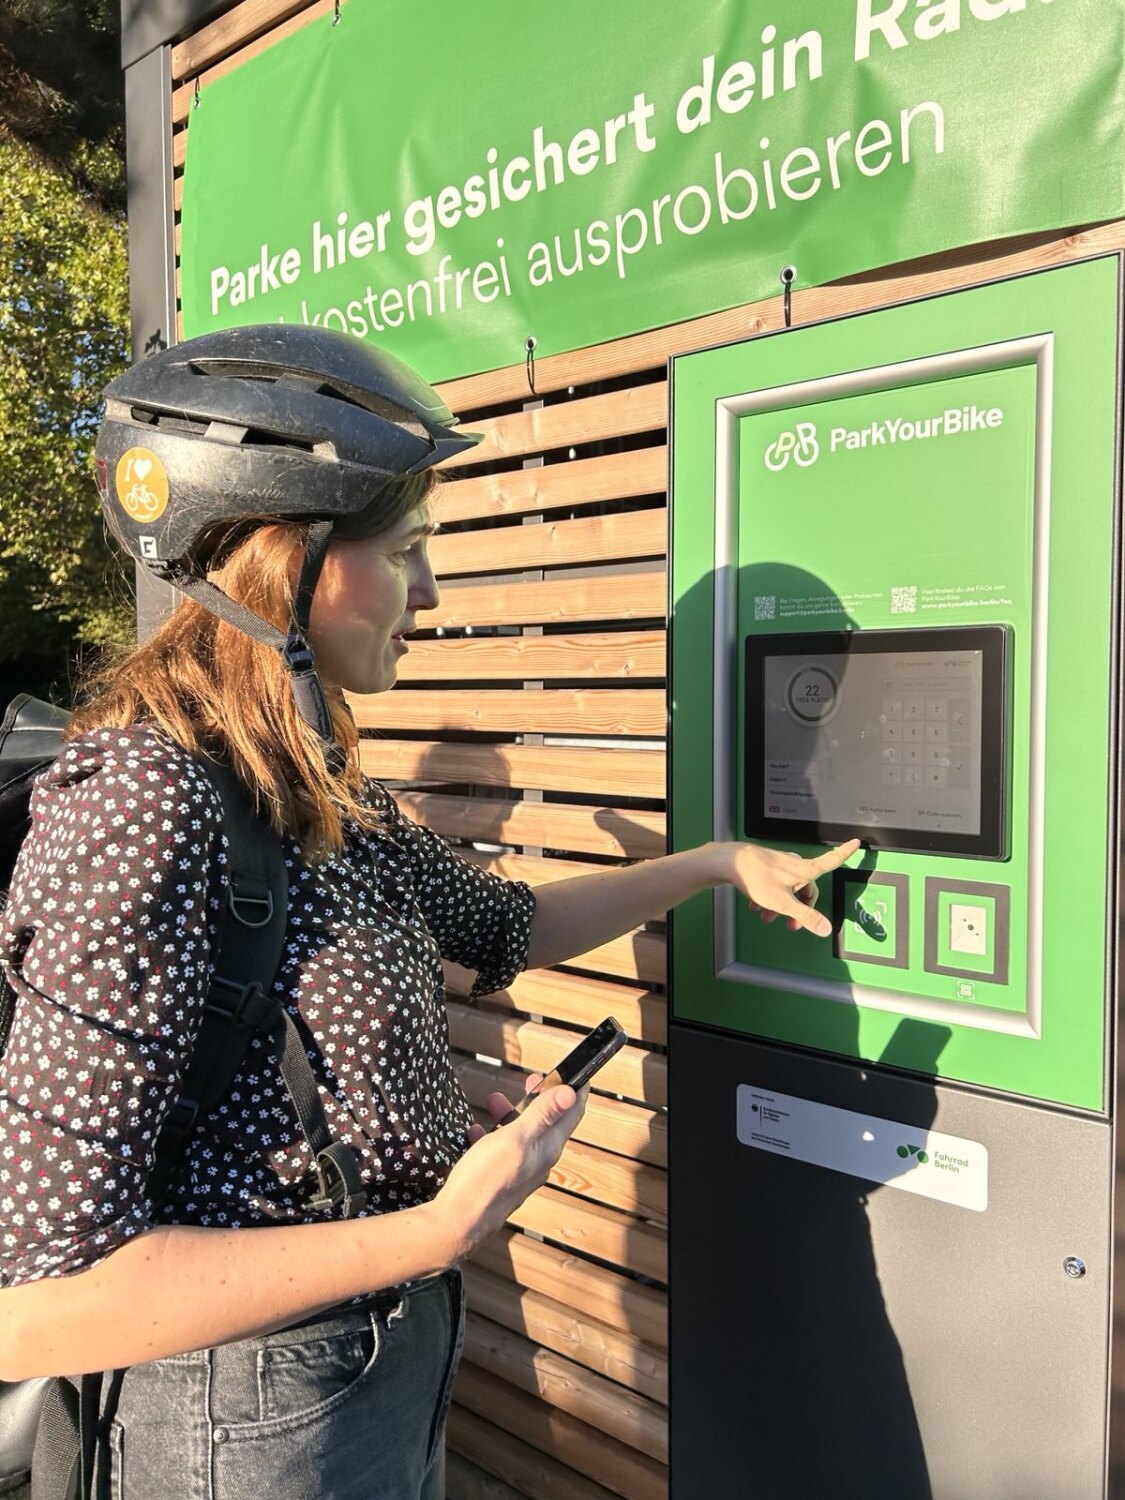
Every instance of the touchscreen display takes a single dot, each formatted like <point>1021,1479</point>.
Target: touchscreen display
<point>894,733</point>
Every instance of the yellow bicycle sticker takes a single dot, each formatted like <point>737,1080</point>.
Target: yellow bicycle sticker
<point>142,485</point>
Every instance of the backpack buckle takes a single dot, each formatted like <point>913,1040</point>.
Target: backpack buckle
<point>241,1004</point>
<point>338,1180</point>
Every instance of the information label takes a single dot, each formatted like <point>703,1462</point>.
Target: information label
<point>926,1162</point>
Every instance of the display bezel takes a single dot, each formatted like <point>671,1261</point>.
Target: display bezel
<point>992,641</point>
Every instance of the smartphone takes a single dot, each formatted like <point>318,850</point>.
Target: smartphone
<point>579,1066</point>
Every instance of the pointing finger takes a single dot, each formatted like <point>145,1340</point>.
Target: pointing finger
<point>832,859</point>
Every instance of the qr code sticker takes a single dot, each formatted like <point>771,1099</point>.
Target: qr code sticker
<point>765,606</point>
<point>904,601</point>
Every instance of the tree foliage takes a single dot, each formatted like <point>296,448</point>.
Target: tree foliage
<point>63,334</point>
<point>63,319</point>
<point>61,89</point>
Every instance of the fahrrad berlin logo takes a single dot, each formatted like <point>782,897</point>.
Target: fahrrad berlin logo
<point>799,444</point>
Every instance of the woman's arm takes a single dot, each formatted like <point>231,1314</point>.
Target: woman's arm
<point>176,1288</point>
<point>573,916</point>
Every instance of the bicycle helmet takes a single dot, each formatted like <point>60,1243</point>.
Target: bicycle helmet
<point>278,420</point>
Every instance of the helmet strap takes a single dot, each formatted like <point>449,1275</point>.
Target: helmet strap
<point>294,648</point>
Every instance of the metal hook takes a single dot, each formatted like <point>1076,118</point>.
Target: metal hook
<point>787,278</point>
<point>195,96</point>
<point>336,14</point>
<point>530,344</point>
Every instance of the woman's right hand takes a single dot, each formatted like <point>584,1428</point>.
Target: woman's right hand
<point>504,1166</point>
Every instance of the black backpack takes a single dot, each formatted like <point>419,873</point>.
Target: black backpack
<point>49,1426</point>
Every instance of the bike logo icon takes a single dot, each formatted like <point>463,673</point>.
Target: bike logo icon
<point>800,445</point>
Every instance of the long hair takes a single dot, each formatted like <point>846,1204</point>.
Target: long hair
<point>218,693</point>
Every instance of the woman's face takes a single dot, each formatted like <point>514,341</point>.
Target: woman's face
<point>365,604</point>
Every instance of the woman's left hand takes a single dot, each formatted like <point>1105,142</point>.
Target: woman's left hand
<point>782,885</point>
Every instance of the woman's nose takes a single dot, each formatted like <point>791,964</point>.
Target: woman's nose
<point>424,591</point>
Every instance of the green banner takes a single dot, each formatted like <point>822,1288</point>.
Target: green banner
<point>452,181</point>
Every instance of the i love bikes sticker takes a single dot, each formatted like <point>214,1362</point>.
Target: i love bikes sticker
<point>142,485</point>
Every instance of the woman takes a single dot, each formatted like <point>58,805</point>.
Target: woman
<point>279,476</point>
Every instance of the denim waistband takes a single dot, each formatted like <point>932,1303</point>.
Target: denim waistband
<point>385,1300</point>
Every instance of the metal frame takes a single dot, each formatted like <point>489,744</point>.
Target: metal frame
<point>148,24</point>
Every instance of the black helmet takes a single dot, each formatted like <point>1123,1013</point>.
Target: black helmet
<point>280,420</point>
<point>275,419</point>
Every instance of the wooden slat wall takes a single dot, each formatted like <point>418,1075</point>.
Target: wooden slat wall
<point>528,729</point>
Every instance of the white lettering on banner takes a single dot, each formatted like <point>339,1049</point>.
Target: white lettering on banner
<point>638,168</point>
<point>738,193</point>
<point>880,18</point>
<point>348,244</point>
<point>742,81</point>
<point>450,289</point>
<point>266,275</point>
<point>547,166</point>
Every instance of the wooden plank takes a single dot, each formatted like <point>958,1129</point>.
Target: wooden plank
<point>551,486</point>
<point>464,1481</point>
<point>182,96</point>
<point>634,1073</point>
<point>968,266</point>
<point>630,1130</point>
<point>534,1475</point>
<point>550,768</point>
<point>589,419</point>
<point>611,596</point>
<point>556,1325</point>
<point>608,1179</point>
<point>575,999</point>
<point>611,1408</point>
<point>589,1290</point>
<point>612,1180</point>
<point>235,28</point>
<point>552,544</point>
<point>626,654</point>
<point>604,1233</point>
<point>630,1474</point>
<point>621,834</point>
<point>529,867</point>
<point>593,711</point>
<point>637,955</point>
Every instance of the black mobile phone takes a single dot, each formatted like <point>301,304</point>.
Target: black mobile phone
<point>579,1066</point>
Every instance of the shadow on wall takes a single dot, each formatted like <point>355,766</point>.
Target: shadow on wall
<point>788,1371</point>
<point>548,1289</point>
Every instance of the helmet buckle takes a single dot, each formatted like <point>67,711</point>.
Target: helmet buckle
<point>297,654</point>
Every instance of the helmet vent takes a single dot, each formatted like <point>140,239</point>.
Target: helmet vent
<point>318,385</point>
<point>258,437</point>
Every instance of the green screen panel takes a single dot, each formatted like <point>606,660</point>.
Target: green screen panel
<point>938,466</point>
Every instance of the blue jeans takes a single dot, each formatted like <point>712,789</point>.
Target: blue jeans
<point>349,1405</point>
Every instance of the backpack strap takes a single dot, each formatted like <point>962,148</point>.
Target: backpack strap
<point>240,1006</point>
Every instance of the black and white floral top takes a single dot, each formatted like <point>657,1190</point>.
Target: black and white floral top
<point>107,940</point>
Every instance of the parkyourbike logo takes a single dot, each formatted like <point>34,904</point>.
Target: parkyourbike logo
<point>801,442</point>
<point>800,445</point>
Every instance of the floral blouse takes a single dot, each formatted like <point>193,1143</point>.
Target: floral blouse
<point>107,940</point>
